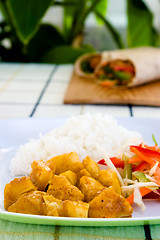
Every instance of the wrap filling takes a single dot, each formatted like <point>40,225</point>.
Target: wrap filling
<point>89,65</point>
<point>116,72</point>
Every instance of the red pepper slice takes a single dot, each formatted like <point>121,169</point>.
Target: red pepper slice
<point>154,148</point>
<point>123,68</point>
<point>135,159</point>
<point>102,162</point>
<point>153,195</point>
<point>116,161</point>
<point>142,166</point>
<point>147,155</point>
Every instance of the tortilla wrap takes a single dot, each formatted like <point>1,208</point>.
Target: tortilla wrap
<point>80,60</point>
<point>146,62</point>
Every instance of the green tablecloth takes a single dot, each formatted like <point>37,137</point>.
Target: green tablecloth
<point>10,230</point>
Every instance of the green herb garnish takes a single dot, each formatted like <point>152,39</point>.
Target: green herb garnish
<point>154,140</point>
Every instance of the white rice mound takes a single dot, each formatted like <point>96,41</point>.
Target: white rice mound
<point>87,134</point>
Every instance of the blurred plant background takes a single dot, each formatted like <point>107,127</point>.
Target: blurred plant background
<point>25,36</point>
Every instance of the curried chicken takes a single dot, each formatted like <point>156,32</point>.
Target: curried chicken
<point>91,166</point>
<point>29,203</point>
<point>52,206</point>
<point>67,161</point>
<point>62,189</point>
<point>89,187</point>
<point>16,188</point>
<point>82,173</point>
<point>109,204</point>
<point>109,178</point>
<point>65,187</point>
<point>40,174</point>
<point>71,177</point>
<point>75,209</point>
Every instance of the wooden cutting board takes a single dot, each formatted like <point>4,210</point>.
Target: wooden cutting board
<point>82,90</point>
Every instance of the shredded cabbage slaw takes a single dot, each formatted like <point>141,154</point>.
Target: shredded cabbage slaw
<point>139,175</point>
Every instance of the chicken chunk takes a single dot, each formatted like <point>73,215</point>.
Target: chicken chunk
<point>109,204</point>
<point>52,206</point>
<point>89,187</point>
<point>38,203</point>
<point>40,174</point>
<point>75,209</point>
<point>71,176</point>
<point>16,188</point>
<point>52,166</point>
<point>91,166</point>
<point>29,203</point>
<point>67,161</point>
<point>82,173</point>
<point>62,189</point>
<point>109,178</point>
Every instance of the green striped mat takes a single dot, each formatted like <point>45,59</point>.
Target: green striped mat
<point>11,230</point>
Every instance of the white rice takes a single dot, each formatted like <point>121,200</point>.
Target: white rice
<point>86,134</point>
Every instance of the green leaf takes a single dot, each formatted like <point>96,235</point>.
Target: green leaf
<point>116,36</point>
<point>156,37</point>
<point>140,25</point>
<point>26,16</point>
<point>46,38</point>
<point>101,7</point>
<point>72,13</point>
<point>3,10</point>
<point>69,13</point>
<point>85,7</point>
<point>64,54</point>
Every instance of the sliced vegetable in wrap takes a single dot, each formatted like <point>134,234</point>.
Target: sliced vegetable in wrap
<point>116,72</point>
<point>127,67</point>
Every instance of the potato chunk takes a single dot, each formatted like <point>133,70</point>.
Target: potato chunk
<point>62,189</point>
<point>16,188</point>
<point>75,209</point>
<point>89,187</point>
<point>91,166</point>
<point>109,178</point>
<point>67,161</point>
<point>71,176</point>
<point>40,174</point>
<point>52,206</point>
<point>109,204</point>
<point>29,203</point>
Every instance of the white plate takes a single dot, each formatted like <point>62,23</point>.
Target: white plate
<point>16,132</point>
